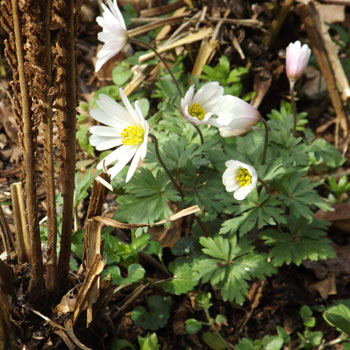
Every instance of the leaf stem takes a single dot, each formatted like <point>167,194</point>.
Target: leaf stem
<point>294,106</point>
<point>148,46</point>
<point>266,144</point>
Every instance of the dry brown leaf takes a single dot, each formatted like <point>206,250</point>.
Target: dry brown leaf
<point>87,287</point>
<point>110,222</point>
<point>332,13</point>
<point>66,305</point>
<point>167,236</point>
<point>340,217</point>
<point>325,287</point>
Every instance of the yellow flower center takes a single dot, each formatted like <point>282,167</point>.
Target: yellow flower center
<point>132,135</point>
<point>197,111</point>
<point>243,177</point>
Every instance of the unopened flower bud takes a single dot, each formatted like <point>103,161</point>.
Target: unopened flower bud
<point>297,58</point>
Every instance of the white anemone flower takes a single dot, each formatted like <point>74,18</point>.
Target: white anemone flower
<point>200,106</point>
<point>239,178</point>
<point>297,58</point>
<point>113,35</point>
<point>126,129</point>
<point>235,116</point>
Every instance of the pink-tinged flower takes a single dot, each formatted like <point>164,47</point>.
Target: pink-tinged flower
<point>297,58</point>
<point>239,178</point>
<point>113,35</point>
<point>199,107</point>
<point>126,130</point>
<point>235,116</point>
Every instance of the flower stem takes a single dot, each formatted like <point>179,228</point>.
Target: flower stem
<point>163,164</point>
<point>294,106</point>
<point>175,184</point>
<point>148,46</point>
<point>266,140</point>
<point>200,133</point>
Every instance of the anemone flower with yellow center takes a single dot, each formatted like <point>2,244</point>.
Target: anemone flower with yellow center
<point>126,129</point>
<point>199,107</point>
<point>239,178</point>
<point>113,35</point>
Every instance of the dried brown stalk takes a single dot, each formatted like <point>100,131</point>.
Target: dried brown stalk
<point>5,233</point>
<point>156,24</point>
<point>276,24</point>
<point>7,334</point>
<point>161,10</point>
<point>37,281</point>
<point>51,265</point>
<point>313,26</point>
<point>64,13</point>
<point>21,231</point>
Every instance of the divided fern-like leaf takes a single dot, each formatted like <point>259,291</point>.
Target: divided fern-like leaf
<point>229,265</point>
<point>148,198</point>
<point>299,195</point>
<point>300,240</point>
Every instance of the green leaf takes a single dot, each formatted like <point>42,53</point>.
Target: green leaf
<point>298,241</point>
<point>323,155</point>
<point>283,334</point>
<point>346,346</point>
<point>313,338</point>
<point>272,342</point>
<point>203,299</point>
<point>122,344</point>
<point>214,341</point>
<point>184,280</point>
<point>121,74</point>
<point>221,319</point>
<point>244,344</point>
<point>144,106</point>
<point>230,265</point>
<point>306,315</point>
<point>300,196</point>
<point>135,273</point>
<point>258,210</point>
<point>157,316</point>
<point>146,190</point>
<point>150,342</point>
<point>339,317</point>
<point>111,90</point>
<point>193,326</point>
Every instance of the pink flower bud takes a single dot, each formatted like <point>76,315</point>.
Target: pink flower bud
<point>297,57</point>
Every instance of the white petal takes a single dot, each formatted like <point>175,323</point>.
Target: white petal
<point>132,113</point>
<point>114,109</point>
<point>208,95</point>
<point>134,164</point>
<point>104,131</point>
<point>104,118</point>
<point>108,143</point>
<point>122,162</point>
<point>242,192</point>
<point>187,100</point>
<point>114,156</point>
